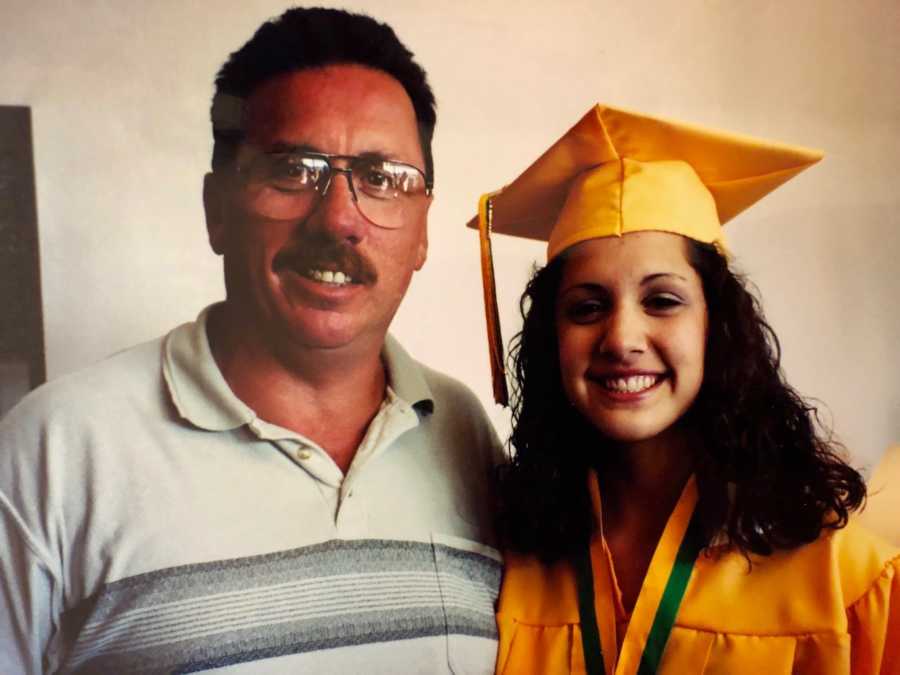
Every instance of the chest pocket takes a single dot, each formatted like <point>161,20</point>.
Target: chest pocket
<point>468,576</point>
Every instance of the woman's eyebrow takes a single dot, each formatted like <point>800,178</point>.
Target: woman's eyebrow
<point>661,275</point>
<point>595,287</point>
<point>591,287</point>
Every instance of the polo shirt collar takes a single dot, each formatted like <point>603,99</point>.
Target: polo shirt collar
<point>202,396</point>
<point>196,385</point>
<point>405,376</point>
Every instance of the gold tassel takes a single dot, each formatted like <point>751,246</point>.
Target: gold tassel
<point>495,339</point>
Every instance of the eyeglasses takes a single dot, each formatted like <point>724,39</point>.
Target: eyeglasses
<point>286,185</point>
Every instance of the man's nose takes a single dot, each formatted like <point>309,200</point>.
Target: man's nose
<point>338,210</point>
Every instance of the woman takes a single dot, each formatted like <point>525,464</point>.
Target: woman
<point>647,375</point>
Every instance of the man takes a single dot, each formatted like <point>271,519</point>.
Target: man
<point>277,487</point>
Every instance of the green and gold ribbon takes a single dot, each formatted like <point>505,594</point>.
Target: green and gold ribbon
<point>667,610</point>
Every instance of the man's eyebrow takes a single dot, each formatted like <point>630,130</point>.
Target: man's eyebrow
<point>284,148</point>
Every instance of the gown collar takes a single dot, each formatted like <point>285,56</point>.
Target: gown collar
<point>647,608</point>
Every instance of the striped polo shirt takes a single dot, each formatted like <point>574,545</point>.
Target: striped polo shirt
<point>151,523</point>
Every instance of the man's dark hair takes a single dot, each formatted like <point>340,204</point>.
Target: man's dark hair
<point>315,37</point>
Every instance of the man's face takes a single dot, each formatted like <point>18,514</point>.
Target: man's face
<point>286,278</point>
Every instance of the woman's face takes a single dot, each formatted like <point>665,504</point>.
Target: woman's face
<point>631,320</point>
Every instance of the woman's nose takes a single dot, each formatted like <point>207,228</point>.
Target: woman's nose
<point>625,334</point>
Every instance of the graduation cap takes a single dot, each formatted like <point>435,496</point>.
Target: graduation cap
<point>617,172</point>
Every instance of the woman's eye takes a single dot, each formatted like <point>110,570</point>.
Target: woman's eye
<point>585,311</point>
<point>662,302</point>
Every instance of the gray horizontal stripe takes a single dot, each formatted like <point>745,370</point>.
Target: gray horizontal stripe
<point>235,647</point>
<point>174,626</point>
<point>335,594</point>
<point>301,647</point>
<point>330,558</point>
<point>467,564</point>
<point>316,595</point>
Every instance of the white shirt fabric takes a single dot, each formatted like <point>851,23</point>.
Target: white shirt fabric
<point>150,522</point>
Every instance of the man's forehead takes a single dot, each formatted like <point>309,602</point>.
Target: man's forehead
<point>338,104</point>
<point>303,88</point>
<point>332,89</point>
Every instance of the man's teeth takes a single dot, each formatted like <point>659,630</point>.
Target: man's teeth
<point>329,277</point>
<point>631,385</point>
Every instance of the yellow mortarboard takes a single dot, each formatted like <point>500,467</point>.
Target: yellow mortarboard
<point>617,172</point>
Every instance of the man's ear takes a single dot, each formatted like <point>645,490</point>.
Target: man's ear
<point>422,253</point>
<point>214,207</point>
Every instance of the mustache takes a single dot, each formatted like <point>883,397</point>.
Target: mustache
<point>326,252</point>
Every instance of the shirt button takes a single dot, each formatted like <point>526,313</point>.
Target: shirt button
<point>303,455</point>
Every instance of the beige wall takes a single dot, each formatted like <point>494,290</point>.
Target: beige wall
<point>120,93</point>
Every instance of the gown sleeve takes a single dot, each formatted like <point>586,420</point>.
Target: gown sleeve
<point>874,625</point>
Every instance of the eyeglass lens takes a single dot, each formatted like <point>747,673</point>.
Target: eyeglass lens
<point>289,185</point>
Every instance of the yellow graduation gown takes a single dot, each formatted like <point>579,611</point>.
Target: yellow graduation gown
<point>827,608</point>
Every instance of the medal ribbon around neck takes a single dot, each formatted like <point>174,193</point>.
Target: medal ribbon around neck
<point>691,545</point>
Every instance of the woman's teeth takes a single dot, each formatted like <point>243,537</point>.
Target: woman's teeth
<point>631,385</point>
<point>330,277</point>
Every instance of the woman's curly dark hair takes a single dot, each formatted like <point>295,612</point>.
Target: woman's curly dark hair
<point>769,476</point>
